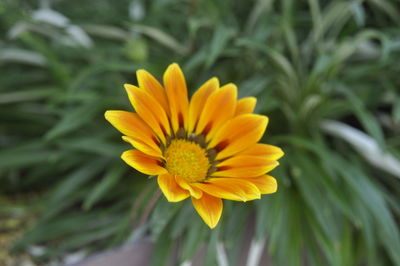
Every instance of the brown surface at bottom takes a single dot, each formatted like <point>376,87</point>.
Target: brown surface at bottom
<point>137,254</point>
<point>140,253</point>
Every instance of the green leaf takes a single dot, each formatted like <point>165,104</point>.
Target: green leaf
<point>75,180</point>
<point>221,37</point>
<point>109,180</point>
<point>72,120</point>
<point>162,250</point>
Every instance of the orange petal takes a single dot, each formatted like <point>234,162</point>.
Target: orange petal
<point>143,163</point>
<point>143,147</point>
<point>194,191</point>
<point>150,111</point>
<point>175,85</point>
<point>238,133</point>
<point>209,208</point>
<point>198,100</point>
<point>230,188</point>
<point>245,106</point>
<point>265,150</point>
<point>131,124</point>
<point>245,166</point>
<point>266,184</point>
<point>153,87</point>
<point>219,107</point>
<point>171,190</point>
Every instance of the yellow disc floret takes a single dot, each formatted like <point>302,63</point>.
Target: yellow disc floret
<point>187,159</point>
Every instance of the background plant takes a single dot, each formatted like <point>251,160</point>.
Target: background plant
<point>311,64</point>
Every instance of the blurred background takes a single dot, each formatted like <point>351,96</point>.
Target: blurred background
<point>326,73</point>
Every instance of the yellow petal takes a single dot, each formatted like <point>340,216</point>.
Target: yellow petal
<point>245,106</point>
<point>245,166</point>
<point>175,85</point>
<point>266,184</point>
<point>171,190</point>
<point>209,208</point>
<point>153,87</point>
<point>265,150</point>
<point>149,110</point>
<point>194,191</point>
<point>219,107</point>
<point>143,163</point>
<point>143,147</point>
<point>131,124</point>
<point>230,188</point>
<point>198,100</point>
<point>238,133</point>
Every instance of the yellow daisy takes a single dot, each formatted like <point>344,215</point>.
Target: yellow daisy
<point>205,149</point>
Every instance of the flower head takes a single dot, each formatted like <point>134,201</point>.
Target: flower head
<point>205,149</point>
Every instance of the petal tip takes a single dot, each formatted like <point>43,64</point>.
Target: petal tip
<point>130,88</point>
<point>142,75</point>
<point>173,67</point>
<point>124,155</point>
<point>107,115</point>
<point>281,153</point>
<point>215,80</point>
<point>127,86</point>
<point>209,208</point>
<point>212,226</point>
<point>232,88</point>
<point>141,72</point>
<point>253,100</point>
<point>275,185</point>
<point>265,119</point>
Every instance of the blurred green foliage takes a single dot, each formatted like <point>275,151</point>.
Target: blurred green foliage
<point>306,61</point>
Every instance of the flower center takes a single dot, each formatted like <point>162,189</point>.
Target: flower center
<point>187,159</point>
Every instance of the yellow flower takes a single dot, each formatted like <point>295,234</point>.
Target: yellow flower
<point>205,149</point>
